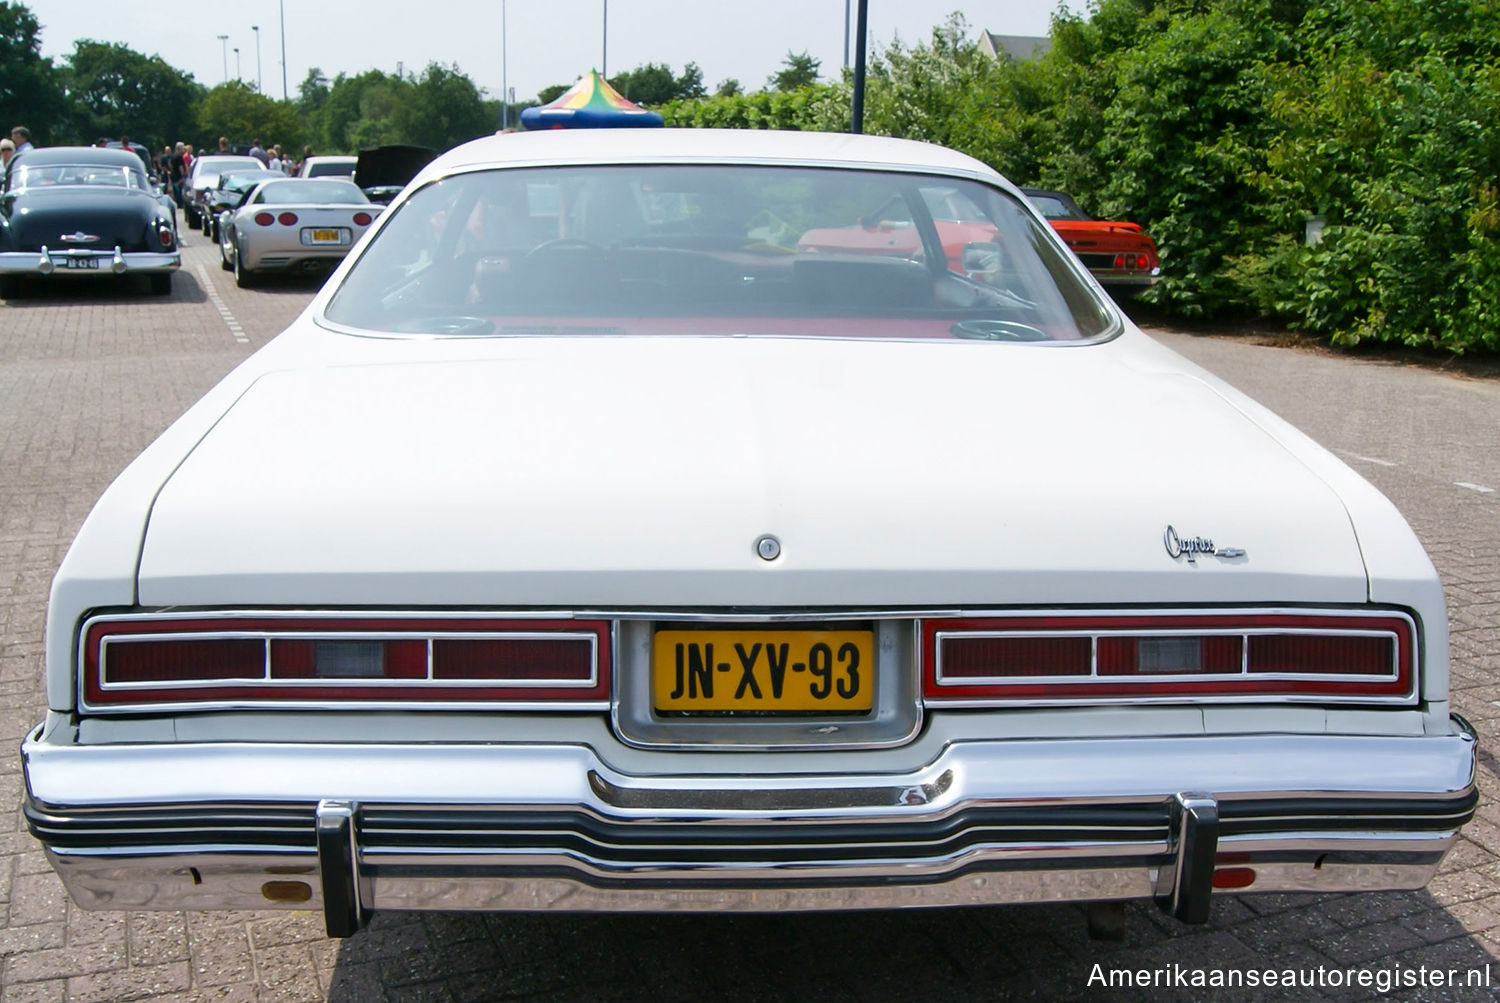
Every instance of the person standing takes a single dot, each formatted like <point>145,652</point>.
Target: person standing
<point>276,163</point>
<point>7,150</point>
<point>177,169</point>
<point>259,153</point>
<point>21,136</point>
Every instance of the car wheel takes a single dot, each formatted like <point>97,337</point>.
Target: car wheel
<point>242,276</point>
<point>211,229</point>
<point>224,261</point>
<point>161,284</point>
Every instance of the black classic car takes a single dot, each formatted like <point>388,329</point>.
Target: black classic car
<point>83,211</point>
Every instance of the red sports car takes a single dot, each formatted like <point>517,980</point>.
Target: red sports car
<point>1120,255</point>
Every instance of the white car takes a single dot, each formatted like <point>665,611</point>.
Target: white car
<point>586,544</point>
<point>293,224</point>
<point>202,178</point>
<point>327,167</point>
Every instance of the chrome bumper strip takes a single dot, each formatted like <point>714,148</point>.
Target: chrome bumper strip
<point>457,826</point>
<point>113,261</point>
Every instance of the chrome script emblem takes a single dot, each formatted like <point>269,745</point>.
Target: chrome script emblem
<point>79,237</point>
<point>1191,547</point>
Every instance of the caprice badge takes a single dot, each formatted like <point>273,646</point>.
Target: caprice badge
<point>79,237</point>
<point>1191,547</point>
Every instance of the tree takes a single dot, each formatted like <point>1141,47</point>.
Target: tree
<point>237,110</point>
<point>653,84</point>
<point>551,93</point>
<point>441,109</point>
<point>31,92</point>
<point>798,70</point>
<point>117,91</point>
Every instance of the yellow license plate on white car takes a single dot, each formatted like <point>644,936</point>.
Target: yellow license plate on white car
<point>793,671</point>
<point>327,237</point>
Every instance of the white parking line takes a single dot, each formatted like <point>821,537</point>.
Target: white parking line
<point>1371,459</point>
<point>224,311</point>
<point>1474,487</point>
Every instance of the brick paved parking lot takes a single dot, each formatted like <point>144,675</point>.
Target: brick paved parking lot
<point>89,375</point>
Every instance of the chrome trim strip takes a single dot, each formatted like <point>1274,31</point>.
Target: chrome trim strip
<point>546,777</point>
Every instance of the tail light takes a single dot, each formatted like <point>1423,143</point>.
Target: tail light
<point>264,219</point>
<point>287,219</point>
<point>1181,656</point>
<point>129,661</point>
<point>164,236</point>
<point>362,219</point>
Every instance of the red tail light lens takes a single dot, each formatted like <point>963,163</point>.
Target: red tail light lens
<point>362,219</point>
<point>164,236</point>
<point>1179,656</point>
<point>264,219</point>
<point>287,219</point>
<point>134,661</point>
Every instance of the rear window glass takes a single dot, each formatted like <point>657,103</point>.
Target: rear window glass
<point>716,250</point>
<point>302,192</point>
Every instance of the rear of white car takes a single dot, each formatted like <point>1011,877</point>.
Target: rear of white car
<point>290,225</point>
<point>498,584</point>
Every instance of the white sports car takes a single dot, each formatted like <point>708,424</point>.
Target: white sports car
<point>594,541</point>
<point>293,224</point>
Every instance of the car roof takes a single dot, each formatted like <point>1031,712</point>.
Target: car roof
<point>49,155</point>
<point>331,159</point>
<point>753,146</point>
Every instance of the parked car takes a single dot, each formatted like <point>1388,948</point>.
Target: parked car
<point>327,167</point>
<point>203,176</point>
<point>1120,255</point>
<point>587,545</point>
<point>82,211</point>
<point>381,172</point>
<point>227,193</point>
<point>301,224</point>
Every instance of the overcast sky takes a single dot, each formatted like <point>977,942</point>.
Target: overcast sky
<point>546,41</point>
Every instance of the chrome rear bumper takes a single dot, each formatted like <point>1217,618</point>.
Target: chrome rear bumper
<point>77,262</point>
<point>351,829</point>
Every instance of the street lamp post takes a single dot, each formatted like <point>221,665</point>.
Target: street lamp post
<point>224,49</point>
<point>604,55</point>
<point>258,83</point>
<point>504,90</point>
<point>236,64</point>
<point>282,6</point>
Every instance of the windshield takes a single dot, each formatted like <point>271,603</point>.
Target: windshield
<point>1055,208</point>
<point>295,192</point>
<point>330,168</point>
<point>76,174</point>
<point>716,250</point>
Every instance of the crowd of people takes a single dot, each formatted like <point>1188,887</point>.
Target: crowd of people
<point>174,163</point>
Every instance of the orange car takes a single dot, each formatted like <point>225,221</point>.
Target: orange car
<point>1120,255</point>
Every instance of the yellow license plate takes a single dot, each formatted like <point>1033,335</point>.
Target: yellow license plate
<point>325,236</point>
<point>830,671</point>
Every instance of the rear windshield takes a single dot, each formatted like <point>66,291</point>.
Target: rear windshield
<point>716,250</point>
<point>330,168</point>
<point>303,192</point>
<point>95,175</point>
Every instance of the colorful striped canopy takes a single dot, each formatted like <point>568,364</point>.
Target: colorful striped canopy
<point>590,104</point>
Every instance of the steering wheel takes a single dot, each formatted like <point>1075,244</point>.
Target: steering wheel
<point>564,244</point>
